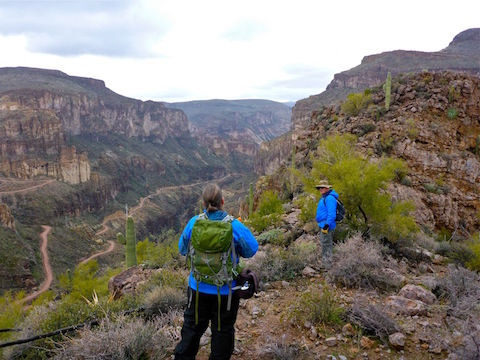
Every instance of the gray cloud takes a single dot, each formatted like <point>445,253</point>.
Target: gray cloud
<point>304,81</point>
<point>117,28</point>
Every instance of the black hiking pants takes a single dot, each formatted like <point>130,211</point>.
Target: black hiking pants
<point>223,340</point>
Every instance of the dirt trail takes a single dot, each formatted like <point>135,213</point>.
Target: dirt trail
<point>30,188</point>
<point>117,215</point>
<point>46,265</point>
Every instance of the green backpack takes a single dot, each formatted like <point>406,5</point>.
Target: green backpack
<point>212,257</point>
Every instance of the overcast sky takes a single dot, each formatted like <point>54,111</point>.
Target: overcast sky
<point>181,50</point>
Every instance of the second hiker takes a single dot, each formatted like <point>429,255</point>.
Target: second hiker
<point>325,216</point>
<point>210,300</point>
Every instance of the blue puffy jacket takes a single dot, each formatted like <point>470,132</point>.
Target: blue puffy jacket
<point>327,210</point>
<point>245,246</point>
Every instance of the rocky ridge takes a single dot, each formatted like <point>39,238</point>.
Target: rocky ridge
<point>433,124</point>
<point>462,54</point>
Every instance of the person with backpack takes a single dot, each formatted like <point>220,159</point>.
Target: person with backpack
<point>212,296</point>
<point>326,220</point>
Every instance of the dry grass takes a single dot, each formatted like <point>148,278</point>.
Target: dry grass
<point>122,338</point>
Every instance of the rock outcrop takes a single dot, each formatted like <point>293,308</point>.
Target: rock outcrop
<point>6,218</point>
<point>434,125</point>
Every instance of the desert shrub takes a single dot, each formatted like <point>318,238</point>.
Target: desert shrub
<point>161,254</point>
<point>268,212</point>
<point>275,237</point>
<point>474,262</point>
<point>356,102</point>
<point>280,350</point>
<point>366,128</point>
<point>161,300</point>
<point>461,287</point>
<point>360,264</point>
<point>11,312</point>
<point>455,252</point>
<point>470,349</point>
<point>122,338</point>
<point>372,320</point>
<point>308,206</point>
<point>85,280</point>
<point>169,278</point>
<point>279,263</point>
<point>319,306</point>
<point>425,241</point>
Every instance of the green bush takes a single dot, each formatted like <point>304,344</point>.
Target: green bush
<point>474,262</point>
<point>456,252</point>
<point>162,254</point>
<point>319,306</point>
<point>356,102</point>
<point>268,212</point>
<point>275,237</point>
<point>86,280</point>
<point>11,313</point>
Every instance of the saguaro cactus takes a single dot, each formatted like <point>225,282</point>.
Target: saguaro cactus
<point>129,241</point>
<point>388,90</point>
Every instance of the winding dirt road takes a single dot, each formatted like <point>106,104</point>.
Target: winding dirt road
<point>46,265</point>
<point>44,235</point>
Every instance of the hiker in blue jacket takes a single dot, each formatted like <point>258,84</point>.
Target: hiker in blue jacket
<point>223,337</point>
<point>326,214</point>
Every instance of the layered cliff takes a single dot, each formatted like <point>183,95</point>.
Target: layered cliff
<point>40,109</point>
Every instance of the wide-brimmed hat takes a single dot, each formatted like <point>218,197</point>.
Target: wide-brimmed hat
<point>323,184</point>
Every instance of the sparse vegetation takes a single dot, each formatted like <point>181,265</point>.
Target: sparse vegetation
<point>361,264</point>
<point>318,306</point>
<point>121,338</point>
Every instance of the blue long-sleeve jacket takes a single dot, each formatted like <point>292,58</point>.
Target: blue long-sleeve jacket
<point>245,246</point>
<point>327,210</point>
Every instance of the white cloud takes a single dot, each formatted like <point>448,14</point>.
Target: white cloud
<point>179,50</point>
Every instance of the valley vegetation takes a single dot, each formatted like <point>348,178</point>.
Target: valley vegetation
<point>379,249</point>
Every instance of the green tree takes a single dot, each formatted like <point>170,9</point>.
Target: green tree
<point>362,185</point>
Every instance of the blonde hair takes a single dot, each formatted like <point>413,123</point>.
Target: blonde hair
<point>212,197</point>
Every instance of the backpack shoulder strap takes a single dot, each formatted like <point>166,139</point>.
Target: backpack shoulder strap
<point>228,218</point>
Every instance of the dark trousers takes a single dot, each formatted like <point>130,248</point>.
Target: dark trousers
<point>222,344</point>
